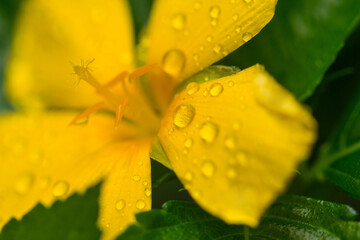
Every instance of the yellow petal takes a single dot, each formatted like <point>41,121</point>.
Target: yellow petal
<point>187,36</point>
<point>42,159</point>
<point>127,189</point>
<point>51,34</point>
<point>236,141</point>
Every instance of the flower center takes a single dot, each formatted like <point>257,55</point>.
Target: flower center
<point>131,95</point>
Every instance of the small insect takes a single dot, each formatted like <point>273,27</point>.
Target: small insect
<point>83,70</point>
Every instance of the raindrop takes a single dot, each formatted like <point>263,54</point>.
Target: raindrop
<point>241,158</point>
<point>60,189</point>
<point>136,178</point>
<point>192,88</point>
<point>188,143</point>
<point>215,12</point>
<point>231,84</point>
<point>147,192</point>
<point>209,38</point>
<point>208,132</point>
<point>230,142</point>
<point>183,116</point>
<point>188,176</point>
<point>208,169</point>
<point>217,48</point>
<point>24,184</point>
<point>140,204</point>
<point>178,21</point>
<point>173,62</point>
<point>235,17</point>
<point>120,204</point>
<point>216,89</point>
<point>247,36</point>
<point>231,173</point>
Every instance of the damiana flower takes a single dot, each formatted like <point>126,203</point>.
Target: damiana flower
<point>234,138</point>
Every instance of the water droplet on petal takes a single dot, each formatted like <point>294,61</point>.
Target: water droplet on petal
<point>120,204</point>
<point>241,158</point>
<point>235,17</point>
<point>24,184</point>
<point>140,163</point>
<point>140,204</point>
<point>209,38</point>
<point>173,62</point>
<point>192,88</point>
<point>178,21</point>
<point>216,89</point>
<point>230,142</point>
<point>208,169</point>
<point>231,84</point>
<point>188,176</point>
<point>145,183</point>
<point>183,116</point>
<point>208,132</point>
<point>60,189</point>
<point>188,142</point>
<point>215,12</point>
<point>136,178</point>
<point>247,36</point>
<point>231,173</point>
<point>217,48</point>
<point>237,29</point>
<point>147,192</point>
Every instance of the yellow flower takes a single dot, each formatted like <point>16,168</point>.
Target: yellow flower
<point>234,141</point>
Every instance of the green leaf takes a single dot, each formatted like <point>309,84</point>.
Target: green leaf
<point>73,219</point>
<point>301,42</point>
<point>339,160</point>
<point>291,217</point>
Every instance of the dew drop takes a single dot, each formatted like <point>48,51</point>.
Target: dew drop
<point>217,48</point>
<point>140,163</point>
<point>188,176</point>
<point>231,84</point>
<point>208,169</point>
<point>60,189</point>
<point>178,21</point>
<point>136,178</point>
<point>209,38</point>
<point>231,173</point>
<point>201,48</point>
<point>183,116</point>
<point>24,184</point>
<point>140,204</point>
<point>145,183</point>
<point>173,62</point>
<point>120,205</point>
<point>208,132</point>
<point>44,182</point>
<point>237,29</point>
<point>197,5</point>
<point>188,143</point>
<point>192,88</point>
<point>214,22</point>
<point>215,12</point>
<point>196,57</point>
<point>147,192</point>
<point>230,142</point>
<point>216,89</point>
<point>247,36</point>
<point>235,17</point>
<point>241,158</point>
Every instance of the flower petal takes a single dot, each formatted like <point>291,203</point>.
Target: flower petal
<point>187,36</point>
<point>127,189</point>
<point>236,141</point>
<point>42,159</point>
<point>51,34</point>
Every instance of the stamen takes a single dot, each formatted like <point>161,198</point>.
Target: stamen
<point>88,112</point>
<point>142,70</point>
<point>119,78</point>
<point>120,110</point>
